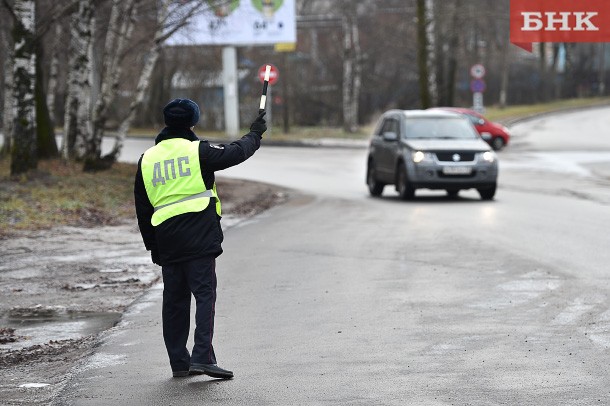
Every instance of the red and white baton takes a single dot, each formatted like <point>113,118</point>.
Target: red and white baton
<point>261,108</point>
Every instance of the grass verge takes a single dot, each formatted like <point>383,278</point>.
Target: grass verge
<point>59,193</point>
<point>513,112</point>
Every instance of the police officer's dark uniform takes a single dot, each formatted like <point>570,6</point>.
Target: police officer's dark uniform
<point>178,213</point>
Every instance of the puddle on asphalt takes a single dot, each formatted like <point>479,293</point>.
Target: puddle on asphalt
<point>39,325</point>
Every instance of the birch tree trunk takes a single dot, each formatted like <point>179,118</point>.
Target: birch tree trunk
<point>143,85</point>
<point>351,73</point>
<point>117,37</point>
<point>24,154</point>
<point>357,75</point>
<point>7,117</point>
<point>78,98</point>
<point>54,71</point>
<point>431,50</point>
<point>348,67</point>
<point>422,55</point>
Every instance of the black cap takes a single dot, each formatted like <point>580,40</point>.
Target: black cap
<point>181,113</point>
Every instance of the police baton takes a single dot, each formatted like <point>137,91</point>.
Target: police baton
<point>261,107</point>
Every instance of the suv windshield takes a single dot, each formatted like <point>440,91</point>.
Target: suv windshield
<point>446,128</point>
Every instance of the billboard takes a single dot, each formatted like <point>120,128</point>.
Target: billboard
<point>240,22</point>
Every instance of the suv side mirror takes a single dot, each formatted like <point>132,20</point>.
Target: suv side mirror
<point>390,136</point>
<point>481,121</point>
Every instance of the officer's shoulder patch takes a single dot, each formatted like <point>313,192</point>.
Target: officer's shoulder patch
<point>217,146</point>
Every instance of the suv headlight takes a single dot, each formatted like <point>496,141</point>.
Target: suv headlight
<point>487,156</point>
<point>420,156</point>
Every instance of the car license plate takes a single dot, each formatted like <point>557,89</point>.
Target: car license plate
<point>457,170</point>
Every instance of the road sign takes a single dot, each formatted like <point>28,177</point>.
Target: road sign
<point>477,85</point>
<point>274,74</point>
<point>477,71</point>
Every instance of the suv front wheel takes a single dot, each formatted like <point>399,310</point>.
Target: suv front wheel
<point>487,194</point>
<point>497,143</point>
<point>403,186</point>
<point>375,187</point>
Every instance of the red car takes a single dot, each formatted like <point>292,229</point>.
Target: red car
<point>494,134</point>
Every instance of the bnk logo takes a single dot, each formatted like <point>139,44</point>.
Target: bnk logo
<point>559,21</point>
<point>563,21</point>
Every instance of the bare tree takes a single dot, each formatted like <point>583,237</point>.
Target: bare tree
<point>352,71</point>
<point>345,16</point>
<point>45,133</point>
<point>24,154</point>
<point>77,118</point>
<point>54,71</point>
<point>18,98</point>
<point>447,36</point>
<point>7,117</point>
<point>422,54</point>
<point>120,28</point>
<point>169,21</point>
<point>431,48</point>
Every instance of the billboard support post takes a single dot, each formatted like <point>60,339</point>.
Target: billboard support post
<point>231,97</point>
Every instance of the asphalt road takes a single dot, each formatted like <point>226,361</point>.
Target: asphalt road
<point>340,298</point>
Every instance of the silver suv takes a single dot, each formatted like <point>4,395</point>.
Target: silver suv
<point>417,149</point>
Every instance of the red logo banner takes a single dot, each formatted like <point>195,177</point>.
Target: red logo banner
<point>559,21</point>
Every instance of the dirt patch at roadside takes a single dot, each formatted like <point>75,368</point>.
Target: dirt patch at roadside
<point>61,287</point>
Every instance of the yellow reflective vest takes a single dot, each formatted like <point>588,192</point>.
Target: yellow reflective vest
<point>172,177</point>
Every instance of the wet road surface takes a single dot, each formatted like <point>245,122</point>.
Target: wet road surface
<point>340,298</point>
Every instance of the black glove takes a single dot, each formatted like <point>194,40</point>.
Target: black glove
<point>259,125</point>
<point>154,254</point>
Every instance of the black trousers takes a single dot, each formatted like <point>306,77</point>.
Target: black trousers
<point>196,277</point>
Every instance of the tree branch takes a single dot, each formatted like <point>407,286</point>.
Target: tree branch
<point>45,24</point>
<point>183,22</point>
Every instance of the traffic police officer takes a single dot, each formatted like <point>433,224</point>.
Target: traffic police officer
<point>178,212</point>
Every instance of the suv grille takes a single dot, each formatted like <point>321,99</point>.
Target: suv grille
<point>448,156</point>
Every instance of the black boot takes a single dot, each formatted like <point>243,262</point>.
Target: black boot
<point>212,370</point>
